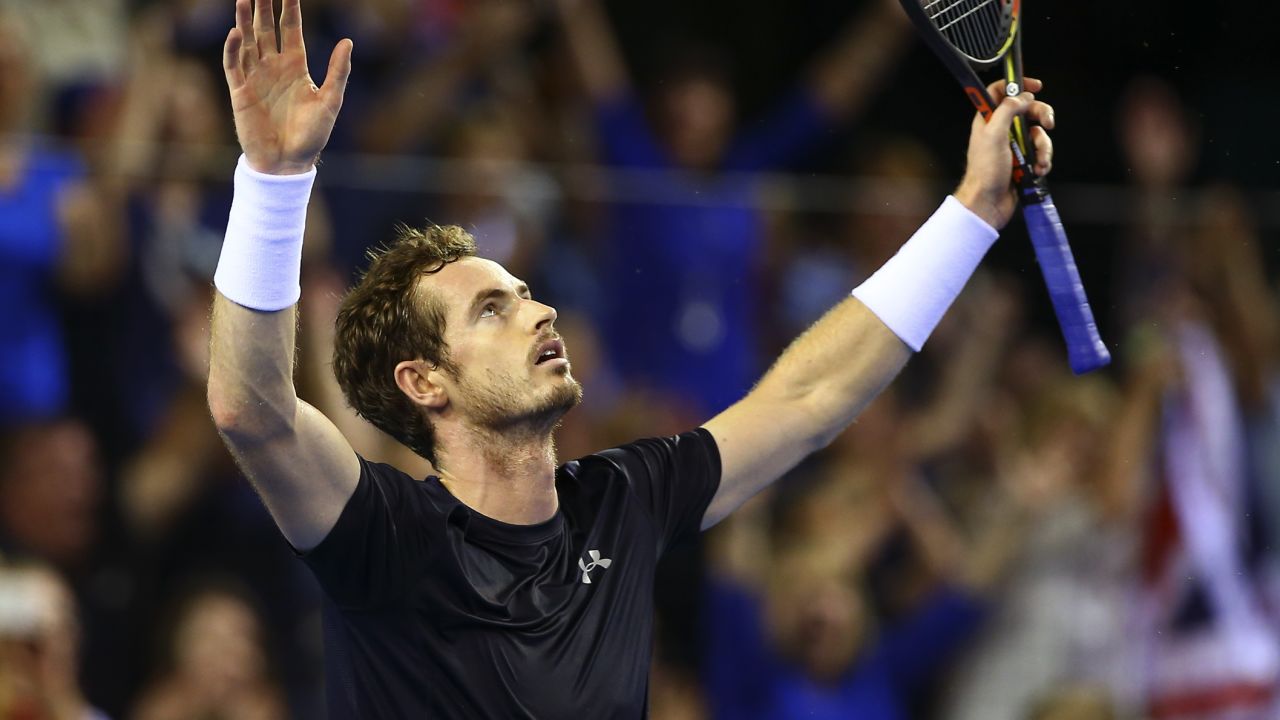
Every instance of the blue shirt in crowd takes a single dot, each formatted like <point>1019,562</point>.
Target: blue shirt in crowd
<point>682,268</point>
<point>33,380</point>
<point>747,678</point>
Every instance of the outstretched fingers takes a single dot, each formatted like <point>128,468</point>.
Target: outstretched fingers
<point>231,58</point>
<point>264,26</point>
<point>335,80</point>
<point>248,41</point>
<point>291,26</point>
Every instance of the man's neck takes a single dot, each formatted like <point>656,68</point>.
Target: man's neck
<point>506,477</point>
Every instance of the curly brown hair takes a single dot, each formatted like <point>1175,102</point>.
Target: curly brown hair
<point>388,318</point>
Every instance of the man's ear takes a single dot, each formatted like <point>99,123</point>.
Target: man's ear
<point>420,381</point>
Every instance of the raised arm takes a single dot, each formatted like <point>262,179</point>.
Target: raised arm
<point>297,460</point>
<point>846,74</point>
<point>416,109</point>
<point>820,384</point>
<point>594,49</point>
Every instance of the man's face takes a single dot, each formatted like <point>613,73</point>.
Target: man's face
<point>697,117</point>
<point>50,494</point>
<point>513,371</point>
<point>816,617</point>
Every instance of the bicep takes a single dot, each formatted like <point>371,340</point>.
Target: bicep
<point>305,476</point>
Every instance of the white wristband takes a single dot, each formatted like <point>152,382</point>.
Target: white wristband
<point>261,261</point>
<point>913,290</point>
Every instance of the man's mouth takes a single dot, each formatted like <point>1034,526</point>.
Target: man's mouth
<point>550,350</point>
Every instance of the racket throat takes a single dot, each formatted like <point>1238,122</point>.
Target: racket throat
<point>1033,191</point>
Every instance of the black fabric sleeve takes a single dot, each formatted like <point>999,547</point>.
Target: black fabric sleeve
<point>673,479</point>
<point>379,543</point>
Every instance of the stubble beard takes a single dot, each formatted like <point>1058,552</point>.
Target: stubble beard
<point>495,404</point>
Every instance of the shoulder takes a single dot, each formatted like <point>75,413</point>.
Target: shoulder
<point>656,450</point>
<point>386,476</point>
<point>641,463</point>
<point>399,488</point>
<point>671,480</point>
<point>383,539</point>
<point>384,490</point>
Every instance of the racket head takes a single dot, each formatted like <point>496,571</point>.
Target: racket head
<point>961,65</point>
<point>981,31</point>
<point>986,34</point>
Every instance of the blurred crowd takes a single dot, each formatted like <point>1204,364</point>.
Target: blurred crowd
<point>993,539</point>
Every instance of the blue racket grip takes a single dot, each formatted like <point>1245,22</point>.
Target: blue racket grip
<point>1085,349</point>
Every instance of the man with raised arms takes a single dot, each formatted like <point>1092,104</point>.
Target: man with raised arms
<point>505,584</point>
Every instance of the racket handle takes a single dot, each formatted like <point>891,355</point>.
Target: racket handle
<point>1085,349</point>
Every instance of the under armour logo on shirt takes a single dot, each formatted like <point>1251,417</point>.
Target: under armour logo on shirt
<point>596,562</point>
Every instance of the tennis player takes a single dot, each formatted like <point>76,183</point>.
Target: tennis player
<point>505,585</point>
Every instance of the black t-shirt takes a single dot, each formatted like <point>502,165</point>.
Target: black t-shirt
<point>433,610</point>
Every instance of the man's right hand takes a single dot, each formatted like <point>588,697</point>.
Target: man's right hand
<point>987,188</point>
<point>282,119</point>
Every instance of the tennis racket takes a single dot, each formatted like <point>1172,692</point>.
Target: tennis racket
<point>979,35</point>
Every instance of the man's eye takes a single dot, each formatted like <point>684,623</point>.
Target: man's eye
<point>489,310</point>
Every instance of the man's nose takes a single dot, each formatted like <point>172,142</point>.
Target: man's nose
<point>546,315</point>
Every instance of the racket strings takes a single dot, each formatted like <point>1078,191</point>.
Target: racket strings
<point>977,28</point>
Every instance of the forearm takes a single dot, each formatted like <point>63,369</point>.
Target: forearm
<point>251,359</point>
<point>251,390</point>
<point>417,111</point>
<point>1129,448</point>
<point>931,531</point>
<point>832,371</point>
<point>857,348</point>
<point>993,552</point>
<point>966,380</point>
<point>815,389</point>
<point>847,74</point>
<point>93,250</point>
<point>593,48</point>
<point>420,106</point>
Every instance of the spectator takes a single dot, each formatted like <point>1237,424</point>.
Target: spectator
<point>216,664</point>
<point>50,490</point>
<point>1202,601</point>
<point>39,647</point>
<point>689,244</point>
<point>807,644</point>
<point>1063,613</point>
<point>55,237</point>
<point>81,50</point>
<point>426,82</point>
<point>794,628</point>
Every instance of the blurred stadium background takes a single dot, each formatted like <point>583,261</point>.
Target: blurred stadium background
<point>691,184</point>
